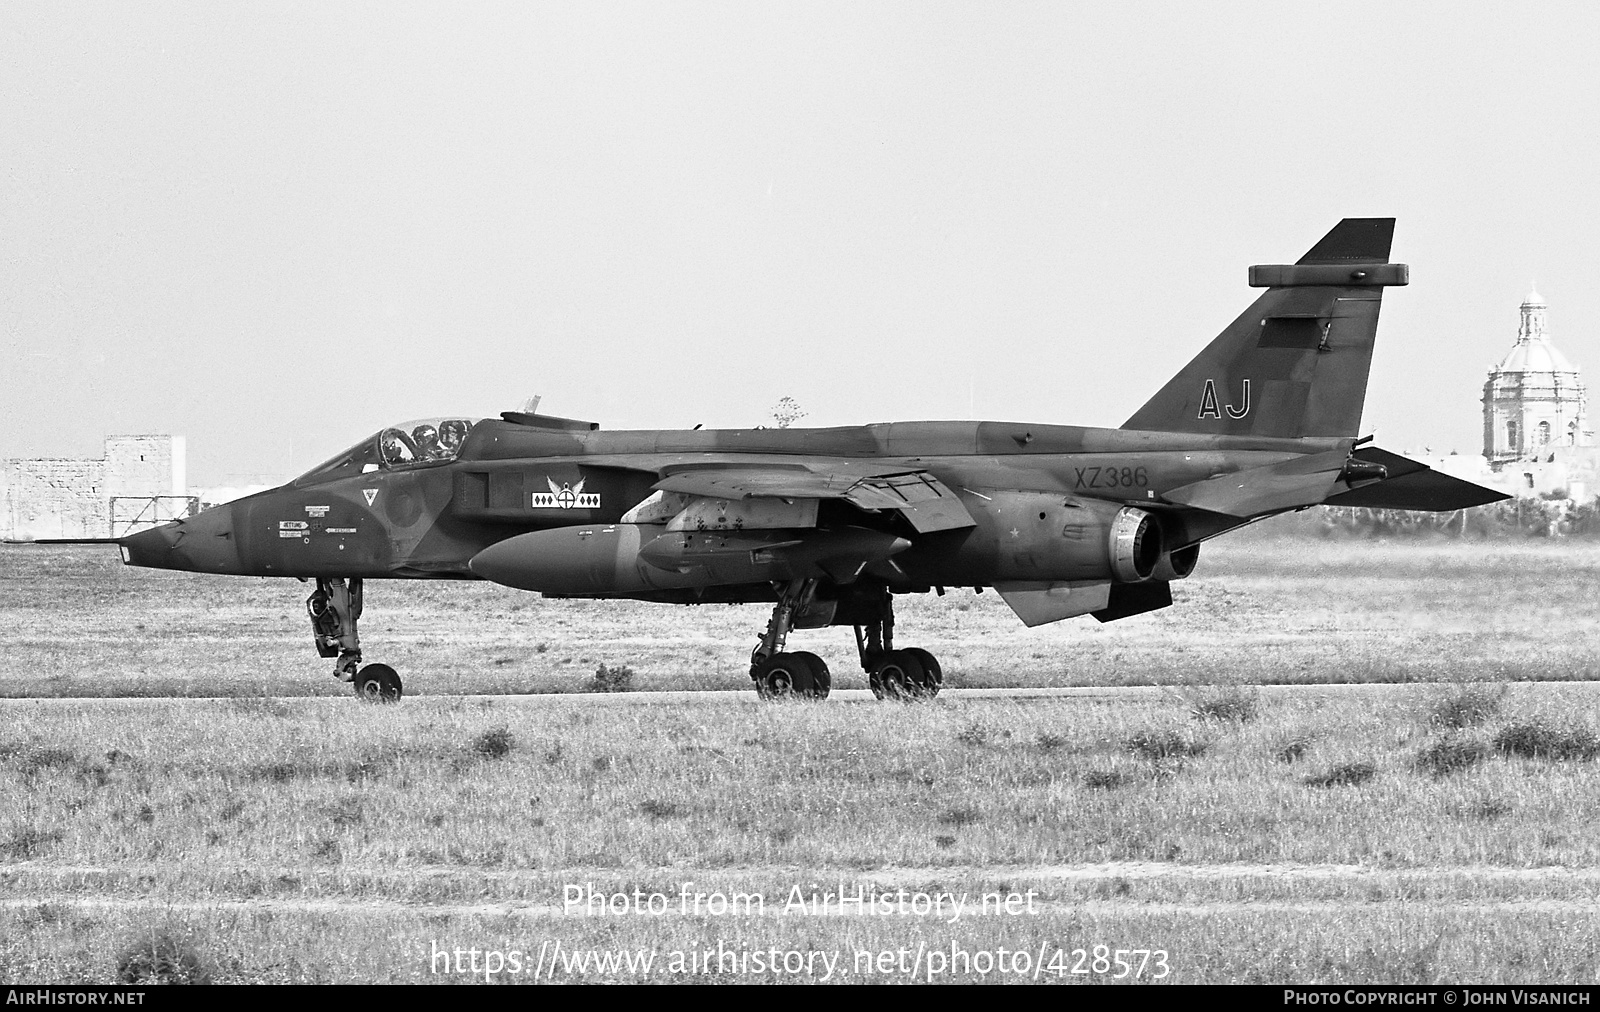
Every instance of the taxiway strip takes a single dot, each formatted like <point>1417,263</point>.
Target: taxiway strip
<point>636,697</point>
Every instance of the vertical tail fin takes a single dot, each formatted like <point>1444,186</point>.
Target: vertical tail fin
<point>1296,362</point>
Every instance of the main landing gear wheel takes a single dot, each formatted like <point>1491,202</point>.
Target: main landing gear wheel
<point>898,675</point>
<point>779,674</point>
<point>911,673</point>
<point>821,677</point>
<point>799,675</point>
<point>378,683</point>
<point>932,674</point>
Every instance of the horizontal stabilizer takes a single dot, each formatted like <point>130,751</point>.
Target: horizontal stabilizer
<point>1413,486</point>
<point>1367,477</point>
<point>1304,481</point>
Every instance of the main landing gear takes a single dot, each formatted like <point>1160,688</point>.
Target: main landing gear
<point>334,607</point>
<point>908,674</point>
<point>778,674</point>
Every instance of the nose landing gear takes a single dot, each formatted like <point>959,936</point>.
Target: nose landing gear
<point>335,607</point>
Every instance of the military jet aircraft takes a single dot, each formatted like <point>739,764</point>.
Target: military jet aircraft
<point>829,525</point>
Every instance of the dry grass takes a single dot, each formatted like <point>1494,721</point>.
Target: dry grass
<point>1368,833</point>
<point>1542,738</point>
<point>74,622</point>
<point>326,840</point>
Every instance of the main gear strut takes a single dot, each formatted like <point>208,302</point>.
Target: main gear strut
<point>910,673</point>
<point>777,673</point>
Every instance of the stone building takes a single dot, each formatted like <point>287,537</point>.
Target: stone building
<point>1534,401</point>
<point>139,482</point>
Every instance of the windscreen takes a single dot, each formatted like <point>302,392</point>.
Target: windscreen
<point>410,444</point>
<point>422,442</point>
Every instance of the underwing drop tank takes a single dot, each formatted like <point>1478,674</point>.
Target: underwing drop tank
<point>610,559</point>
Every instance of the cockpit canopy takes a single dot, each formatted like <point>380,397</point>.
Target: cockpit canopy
<point>410,444</point>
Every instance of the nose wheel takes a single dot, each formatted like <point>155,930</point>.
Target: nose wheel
<point>378,683</point>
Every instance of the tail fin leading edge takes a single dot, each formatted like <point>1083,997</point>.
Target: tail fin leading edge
<point>1296,362</point>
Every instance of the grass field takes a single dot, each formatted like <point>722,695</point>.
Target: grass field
<point>1379,832</point>
<point>325,840</point>
<point>75,622</point>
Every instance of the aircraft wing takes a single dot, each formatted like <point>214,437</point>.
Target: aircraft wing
<point>1366,477</point>
<point>921,497</point>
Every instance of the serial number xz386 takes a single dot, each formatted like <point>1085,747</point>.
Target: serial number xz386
<point>1110,477</point>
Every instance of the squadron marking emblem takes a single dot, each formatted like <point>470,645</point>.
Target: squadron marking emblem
<point>564,496</point>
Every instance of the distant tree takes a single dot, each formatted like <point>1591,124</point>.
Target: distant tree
<point>787,412</point>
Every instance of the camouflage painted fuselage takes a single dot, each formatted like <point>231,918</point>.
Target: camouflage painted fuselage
<point>430,520</point>
<point>1062,520</point>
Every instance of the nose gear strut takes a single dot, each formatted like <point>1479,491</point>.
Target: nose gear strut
<point>335,607</point>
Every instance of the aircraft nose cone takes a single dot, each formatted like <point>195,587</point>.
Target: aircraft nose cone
<point>152,548</point>
<point>200,544</point>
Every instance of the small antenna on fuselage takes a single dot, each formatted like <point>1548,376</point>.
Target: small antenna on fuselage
<point>531,405</point>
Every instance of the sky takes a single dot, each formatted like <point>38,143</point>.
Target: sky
<point>276,228</point>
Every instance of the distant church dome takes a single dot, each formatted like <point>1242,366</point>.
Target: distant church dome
<point>1535,356</point>
<point>1534,399</point>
